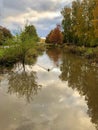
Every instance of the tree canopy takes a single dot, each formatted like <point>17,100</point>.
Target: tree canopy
<point>96,19</point>
<point>4,34</point>
<point>29,31</point>
<point>80,23</point>
<point>19,46</point>
<point>55,36</point>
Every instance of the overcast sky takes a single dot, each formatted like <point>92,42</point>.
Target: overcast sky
<point>44,14</point>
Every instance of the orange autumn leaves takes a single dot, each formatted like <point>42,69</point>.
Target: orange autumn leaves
<point>55,36</point>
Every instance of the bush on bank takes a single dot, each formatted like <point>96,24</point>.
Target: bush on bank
<point>89,53</point>
<point>21,47</point>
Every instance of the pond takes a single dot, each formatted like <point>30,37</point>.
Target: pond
<point>58,92</point>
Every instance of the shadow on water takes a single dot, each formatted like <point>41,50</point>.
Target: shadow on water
<point>84,78</point>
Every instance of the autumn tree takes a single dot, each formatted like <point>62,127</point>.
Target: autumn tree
<point>66,23</point>
<point>55,36</point>
<point>48,37</point>
<point>80,22</point>
<point>95,21</point>
<point>74,11</point>
<point>4,34</point>
<point>88,6</point>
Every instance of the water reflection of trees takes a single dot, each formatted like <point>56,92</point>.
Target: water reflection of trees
<point>23,84</point>
<point>54,54</point>
<point>84,78</point>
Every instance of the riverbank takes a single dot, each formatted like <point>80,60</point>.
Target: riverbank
<point>86,52</point>
<point>90,53</point>
<point>10,56</point>
<point>8,59</point>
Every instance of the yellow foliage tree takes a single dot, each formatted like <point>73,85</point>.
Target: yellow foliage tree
<point>96,19</point>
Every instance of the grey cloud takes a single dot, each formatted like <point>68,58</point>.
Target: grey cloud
<point>17,8</point>
<point>46,6</point>
<point>39,5</point>
<point>47,22</point>
<point>44,26</point>
<point>10,12</point>
<point>15,4</point>
<point>1,7</point>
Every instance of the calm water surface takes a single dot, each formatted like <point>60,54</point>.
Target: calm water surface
<point>59,92</point>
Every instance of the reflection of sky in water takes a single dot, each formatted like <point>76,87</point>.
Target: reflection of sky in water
<point>56,107</point>
<point>45,61</point>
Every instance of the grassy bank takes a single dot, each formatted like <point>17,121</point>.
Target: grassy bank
<point>89,53</point>
<point>12,55</point>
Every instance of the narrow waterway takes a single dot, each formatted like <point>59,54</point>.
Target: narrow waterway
<point>58,92</point>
